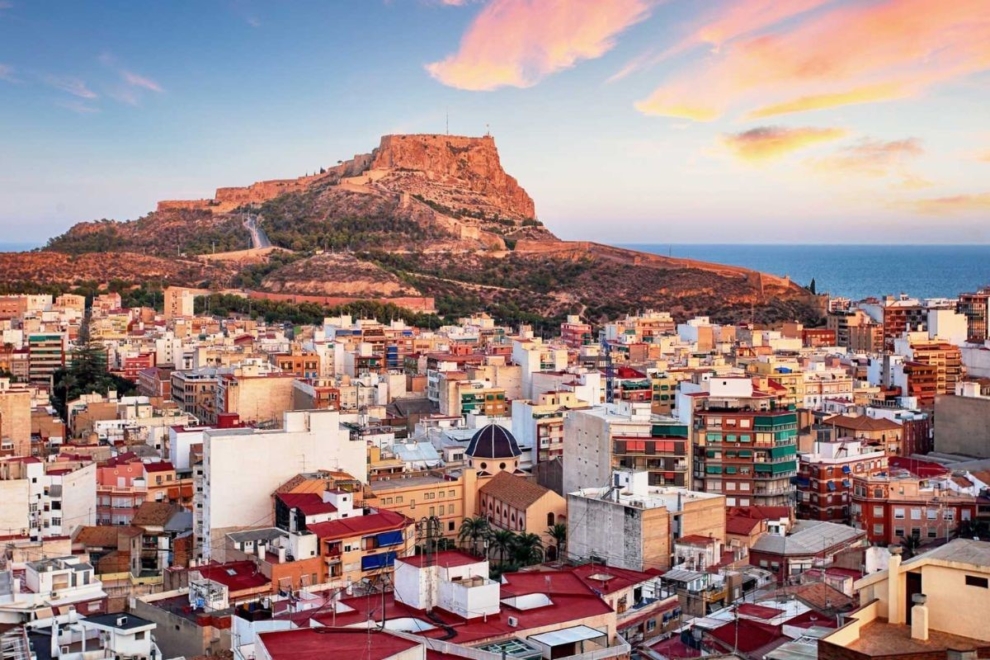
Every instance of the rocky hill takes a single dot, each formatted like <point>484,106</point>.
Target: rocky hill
<point>433,216</point>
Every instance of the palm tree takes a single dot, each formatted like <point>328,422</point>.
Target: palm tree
<point>558,533</point>
<point>503,541</point>
<point>528,549</point>
<point>911,544</point>
<point>474,529</point>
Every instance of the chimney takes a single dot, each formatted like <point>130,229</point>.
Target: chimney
<point>281,554</point>
<point>919,618</point>
<point>895,591</point>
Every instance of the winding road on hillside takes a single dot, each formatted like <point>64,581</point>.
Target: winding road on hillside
<point>258,237</point>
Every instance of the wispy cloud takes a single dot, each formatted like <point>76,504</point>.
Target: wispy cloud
<point>855,53</point>
<point>131,82</point>
<point>870,157</point>
<point>79,107</point>
<point>771,142</point>
<point>7,73</point>
<point>4,4</point>
<point>957,204</point>
<point>984,157</point>
<point>136,80</point>
<point>71,85</point>
<point>728,22</point>
<point>517,43</point>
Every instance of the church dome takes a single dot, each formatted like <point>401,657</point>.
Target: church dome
<point>493,441</point>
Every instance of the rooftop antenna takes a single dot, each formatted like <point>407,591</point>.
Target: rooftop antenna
<point>488,130</point>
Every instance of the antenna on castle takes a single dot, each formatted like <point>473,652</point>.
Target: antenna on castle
<point>488,130</point>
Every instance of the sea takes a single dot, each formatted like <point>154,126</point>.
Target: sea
<point>855,271</point>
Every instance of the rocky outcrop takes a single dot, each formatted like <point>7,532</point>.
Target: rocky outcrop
<point>462,172</point>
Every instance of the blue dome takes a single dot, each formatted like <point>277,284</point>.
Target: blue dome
<point>493,441</point>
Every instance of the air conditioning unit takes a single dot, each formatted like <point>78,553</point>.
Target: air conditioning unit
<point>513,622</point>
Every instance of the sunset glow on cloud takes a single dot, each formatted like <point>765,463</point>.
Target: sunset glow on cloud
<point>517,43</point>
<point>978,203</point>
<point>772,142</point>
<point>857,53</point>
<point>870,157</point>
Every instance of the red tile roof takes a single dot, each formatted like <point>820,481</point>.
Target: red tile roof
<point>382,521</point>
<point>675,649</point>
<point>310,504</point>
<point>236,575</point>
<point>318,643</point>
<point>618,578</point>
<point>695,539</point>
<point>160,466</point>
<point>759,611</point>
<point>745,635</point>
<point>448,558</point>
<point>741,525</point>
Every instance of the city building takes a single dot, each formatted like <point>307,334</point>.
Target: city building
<point>894,505</point>
<point>824,480</point>
<point>745,446</point>
<point>930,606</point>
<point>625,435</point>
<point>46,355</point>
<point>630,524</point>
<point>975,307</point>
<point>810,544</point>
<point>514,503</point>
<point>242,467</point>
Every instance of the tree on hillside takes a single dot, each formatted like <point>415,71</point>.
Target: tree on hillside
<point>85,374</point>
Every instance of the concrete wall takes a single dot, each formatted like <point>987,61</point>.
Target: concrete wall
<point>954,607</point>
<point>627,538</point>
<point>243,467</point>
<point>13,506</point>
<point>176,636</point>
<point>15,420</point>
<point>79,498</point>
<point>704,518</point>
<point>962,425</point>
<point>587,454</point>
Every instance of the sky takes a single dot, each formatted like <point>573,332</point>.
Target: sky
<point>628,121</point>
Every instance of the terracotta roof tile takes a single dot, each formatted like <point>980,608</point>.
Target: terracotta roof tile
<point>517,492</point>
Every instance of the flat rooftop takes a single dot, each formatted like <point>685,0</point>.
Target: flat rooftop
<point>879,638</point>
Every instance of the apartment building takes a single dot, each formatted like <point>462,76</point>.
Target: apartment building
<point>46,355</point>
<point>976,308</point>
<point>15,419</point>
<point>540,424</point>
<point>242,467</point>
<point>824,480</point>
<point>744,445</point>
<point>450,498</point>
<point>626,435</point>
<point>895,505</point>
<point>630,524</point>
<point>45,500</point>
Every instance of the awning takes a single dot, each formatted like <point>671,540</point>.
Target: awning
<point>831,485</point>
<point>373,562</point>
<point>846,469</point>
<point>390,538</point>
<point>568,636</point>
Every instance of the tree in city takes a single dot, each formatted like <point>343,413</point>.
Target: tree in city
<point>475,530</point>
<point>528,549</point>
<point>502,541</point>
<point>558,533</point>
<point>86,373</point>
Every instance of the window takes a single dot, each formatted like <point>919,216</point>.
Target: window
<point>899,532</point>
<point>550,519</point>
<point>915,514</point>
<point>878,512</point>
<point>932,532</point>
<point>139,635</point>
<point>433,511</point>
<point>450,526</point>
<point>932,514</point>
<point>450,493</point>
<point>398,499</point>
<point>651,625</point>
<point>899,514</point>
<point>878,530</point>
<point>974,581</point>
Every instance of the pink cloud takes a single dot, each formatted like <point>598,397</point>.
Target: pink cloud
<point>864,52</point>
<point>70,85</point>
<point>772,142</point>
<point>135,80</point>
<point>731,20</point>
<point>517,43</point>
